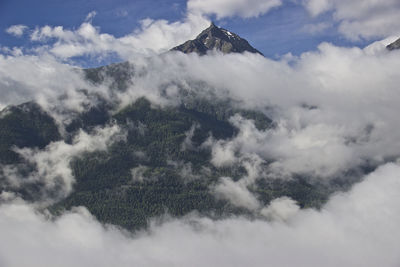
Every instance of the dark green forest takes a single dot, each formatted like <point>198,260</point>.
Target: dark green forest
<point>153,147</point>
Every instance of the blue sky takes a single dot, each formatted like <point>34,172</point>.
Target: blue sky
<point>118,17</point>
<point>277,32</point>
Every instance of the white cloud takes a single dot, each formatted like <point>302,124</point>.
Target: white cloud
<point>17,30</point>
<point>223,154</point>
<point>90,16</point>
<point>316,7</point>
<point>281,209</point>
<point>188,143</point>
<point>230,8</point>
<point>361,18</point>
<point>358,228</point>
<point>53,162</point>
<point>352,89</point>
<point>237,193</point>
<point>138,173</point>
<point>154,36</point>
<point>40,78</point>
<point>316,28</point>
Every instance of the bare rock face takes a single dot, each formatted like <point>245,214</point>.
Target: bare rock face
<point>395,45</point>
<point>216,38</point>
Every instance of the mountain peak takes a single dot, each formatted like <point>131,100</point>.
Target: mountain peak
<point>394,45</point>
<point>216,38</point>
<point>213,25</point>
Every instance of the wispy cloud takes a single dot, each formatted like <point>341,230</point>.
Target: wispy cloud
<point>90,16</point>
<point>316,28</point>
<point>17,30</point>
<point>154,36</point>
<point>224,8</point>
<point>360,19</point>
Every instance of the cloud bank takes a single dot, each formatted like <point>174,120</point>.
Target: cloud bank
<point>334,114</point>
<point>334,117</point>
<point>358,228</point>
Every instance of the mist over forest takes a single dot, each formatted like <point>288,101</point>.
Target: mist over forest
<point>194,149</point>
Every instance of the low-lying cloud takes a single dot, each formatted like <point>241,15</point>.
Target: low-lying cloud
<point>358,228</point>
<point>53,162</point>
<point>334,109</point>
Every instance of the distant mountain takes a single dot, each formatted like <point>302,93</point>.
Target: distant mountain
<point>216,38</point>
<point>395,45</point>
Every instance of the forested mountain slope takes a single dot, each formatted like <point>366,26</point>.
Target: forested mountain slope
<point>163,160</point>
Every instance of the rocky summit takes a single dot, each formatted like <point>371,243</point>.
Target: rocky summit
<point>216,38</point>
<point>394,45</point>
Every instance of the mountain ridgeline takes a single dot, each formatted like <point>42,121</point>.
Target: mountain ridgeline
<point>162,166</point>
